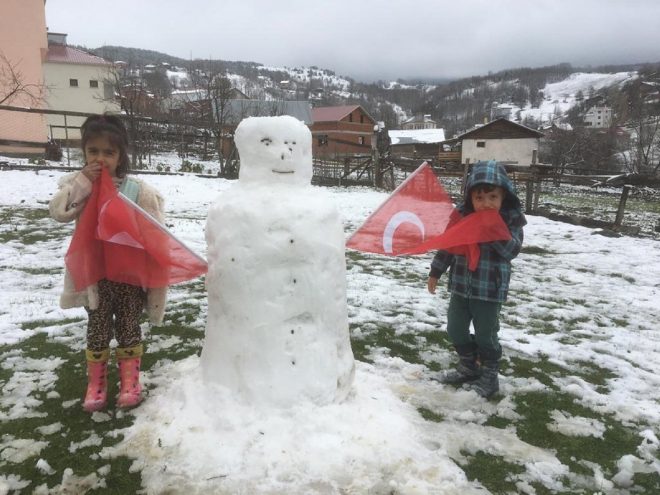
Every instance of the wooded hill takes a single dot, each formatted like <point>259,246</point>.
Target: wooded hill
<point>456,105</point>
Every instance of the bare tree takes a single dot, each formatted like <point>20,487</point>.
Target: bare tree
<point>13,85</point>
<point>219,93</point>
<point>136,102</point>
<point>642,116</point>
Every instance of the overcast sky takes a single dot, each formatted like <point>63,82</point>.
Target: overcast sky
<point>374,39</point>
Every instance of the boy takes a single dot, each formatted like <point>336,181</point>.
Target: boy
<point>477,297</point>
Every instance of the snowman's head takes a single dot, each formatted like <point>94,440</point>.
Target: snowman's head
<point>274,150</point>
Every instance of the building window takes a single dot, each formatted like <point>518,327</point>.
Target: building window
<point>73,83</point>
<point>360,139</point>
<point>361,119</point>
<point>108,91</point>
<point>323,140</point>
<point>93,83</point>
<point>350,117</point>
<point>481,144</point>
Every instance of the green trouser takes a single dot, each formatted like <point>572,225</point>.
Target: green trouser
<point>485,317</point>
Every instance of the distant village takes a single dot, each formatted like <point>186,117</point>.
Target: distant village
<point>55,86</point>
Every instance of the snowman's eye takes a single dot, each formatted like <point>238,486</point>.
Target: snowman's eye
<point>267,141</point>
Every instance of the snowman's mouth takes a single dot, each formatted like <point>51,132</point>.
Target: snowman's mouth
<point>281,171</point>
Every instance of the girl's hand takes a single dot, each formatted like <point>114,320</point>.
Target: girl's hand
<point>432,284</point>
<point>92,171</point>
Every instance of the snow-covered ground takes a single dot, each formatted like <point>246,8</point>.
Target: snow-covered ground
<point>580,304</point>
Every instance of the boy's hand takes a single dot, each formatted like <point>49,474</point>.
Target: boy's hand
<point>432,284</point>
<point>92,171</point>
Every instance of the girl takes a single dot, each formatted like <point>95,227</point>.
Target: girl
<point>113,308</point>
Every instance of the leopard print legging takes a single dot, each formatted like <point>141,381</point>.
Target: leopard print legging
<point>118,315</point>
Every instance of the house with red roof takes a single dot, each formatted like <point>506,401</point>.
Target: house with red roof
<point>341,130</point>
<point>77,81</point>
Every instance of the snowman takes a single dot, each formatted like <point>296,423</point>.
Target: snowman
<point>277,329</point>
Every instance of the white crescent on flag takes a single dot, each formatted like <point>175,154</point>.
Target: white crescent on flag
<point>394,222</point>
<point>419,205</point>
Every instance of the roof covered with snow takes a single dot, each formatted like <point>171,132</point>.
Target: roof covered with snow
<point>415,136</point>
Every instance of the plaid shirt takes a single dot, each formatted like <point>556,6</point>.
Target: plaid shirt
<point>490,281</point>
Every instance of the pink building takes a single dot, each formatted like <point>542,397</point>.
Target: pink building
<point>23,45</point>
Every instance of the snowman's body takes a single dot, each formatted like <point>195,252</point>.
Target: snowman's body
<point>277,329</point>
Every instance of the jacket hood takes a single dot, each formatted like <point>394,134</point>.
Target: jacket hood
<point>493,173</point>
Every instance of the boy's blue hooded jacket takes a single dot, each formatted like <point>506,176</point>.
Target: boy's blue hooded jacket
<point>490,281</point>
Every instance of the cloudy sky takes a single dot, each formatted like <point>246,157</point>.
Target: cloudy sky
<point>374,39</point>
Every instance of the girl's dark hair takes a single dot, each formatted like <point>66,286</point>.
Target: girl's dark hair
<point>113,128</point>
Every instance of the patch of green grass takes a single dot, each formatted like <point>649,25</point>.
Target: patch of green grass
<point>77,425</point>
<point>401,345</point>
<point>497,422</point>
<point>558,301</point>
<point>536,250</point>
<point>569,340</point>
<point>594,373</point>
<point>541,327</point>
<point>541,369</point>
<point>617,441</point>
<point>31,325</point>
<point>430,415</point>
<point>492,471</point>
<point>436,337</point>
<point>29,226</point>
<point>620,322</point>
<point>573,322</point>
<point>33,271</point>
<point>623,276</point>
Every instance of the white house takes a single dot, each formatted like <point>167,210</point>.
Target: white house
<point>419,122</point>
<point>77,82</point>
<point>598,117</point>
<point>501,140</point>
<point>502,110</point>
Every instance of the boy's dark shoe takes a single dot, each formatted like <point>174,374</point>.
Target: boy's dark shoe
<point>488,383</point>
<point>463,373</point>
<point>466,370</point>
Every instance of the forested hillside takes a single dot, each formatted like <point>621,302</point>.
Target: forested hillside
<point>456,105</point>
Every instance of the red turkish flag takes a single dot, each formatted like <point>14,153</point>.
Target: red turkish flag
<point>117,240</point>
<point>419,217</point>
<point>463,237</point>
<point>418,209</point>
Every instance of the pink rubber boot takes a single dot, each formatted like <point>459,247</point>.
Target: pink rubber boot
<point>130,390</point>
<point>96,396</point>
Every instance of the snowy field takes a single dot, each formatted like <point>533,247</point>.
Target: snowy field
<point>561,96</point>
<point>578,411</point>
